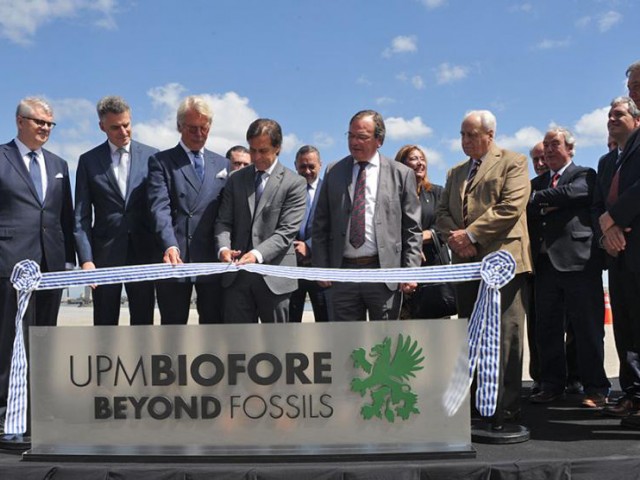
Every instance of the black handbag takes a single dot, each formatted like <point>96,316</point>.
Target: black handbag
<point>435,300</point>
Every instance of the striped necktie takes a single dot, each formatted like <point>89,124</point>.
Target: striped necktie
<point>356,230</point>
<point>472,174</point>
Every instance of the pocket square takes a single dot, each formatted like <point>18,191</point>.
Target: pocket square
<point>59,175</point>
<point>222,173</point>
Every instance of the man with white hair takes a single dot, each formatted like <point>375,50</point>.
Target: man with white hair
<point>185,183</point>
<point>568,265</point>
<point>483,210</point>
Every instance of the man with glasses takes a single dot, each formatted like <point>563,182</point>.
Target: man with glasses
<point>184,188</point>
<point>36,223</point>
<point>367,216</point>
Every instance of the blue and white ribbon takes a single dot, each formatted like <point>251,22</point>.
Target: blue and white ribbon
<point>495,269</point>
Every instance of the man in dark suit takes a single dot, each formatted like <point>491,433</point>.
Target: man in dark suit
<point>185,183</point>
<point>568,267</point>
<point>36,223</point>
<point>112,224</point>
<point>616,205</point>
<point>367,216</point>
<point>308,165</point>
<point>262,208</point>
<point>482,210</point>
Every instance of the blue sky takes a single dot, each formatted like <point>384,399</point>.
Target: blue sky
<point>311,65</point>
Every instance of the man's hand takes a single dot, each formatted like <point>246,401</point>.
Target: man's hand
<point>228,256</point>
<point>606,222</point>
<point>89,266</point>
<point>408,287</point>
<point>172,256</point>
<point>247,258</point>
<point>301,249</point>
<point>324,283</point>
<point>614,239</point>
<point>460,243</point>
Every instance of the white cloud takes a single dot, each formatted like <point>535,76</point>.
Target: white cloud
<point>402,77</point>
<point>522,140</point>
<point>20,20</point>
<point>522,7</point>
<point>290,142</point>
<point>400,129</point>
<point>591,128</point>
<point>363,80</point>
<point>548,44</point>
<point>446,73</point>
<point>434,158</point>
<point>433,3</point>
<point>583,22</point>
<point>231,117</point>
<point>401,44</point>
<point>608,20</point>
<point>323,140</point>
<point>385,101</point>
<point>417,82</point>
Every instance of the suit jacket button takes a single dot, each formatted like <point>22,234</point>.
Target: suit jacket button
<point>190,237</point>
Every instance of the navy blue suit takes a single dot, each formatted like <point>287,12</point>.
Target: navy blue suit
<point>35,230</point>
<point>624,270</point>
<point>183,211</point>
<point>115,230</point>
<point>568,280</point>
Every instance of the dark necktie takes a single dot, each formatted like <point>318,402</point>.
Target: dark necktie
<point>356,230</point>
<point>36,174</point>
<point>198,163</point>
<point>258,185</point>
<point>612,197</point>
<point>472,174</point>
<point>554,180</point>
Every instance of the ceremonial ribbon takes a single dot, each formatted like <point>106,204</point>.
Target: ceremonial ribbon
<point>494,271</point>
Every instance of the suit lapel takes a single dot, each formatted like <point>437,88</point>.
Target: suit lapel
<point>107,166</point>
<point>491,159</point>
<point>270,189</point>
<point>184,163</point>
<point>250,189</point>
<point>13,156</point>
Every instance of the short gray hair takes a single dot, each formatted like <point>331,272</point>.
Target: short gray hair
<point>195,103</point>
<point>569,139</point>
<point>111,104</point>
<point>628,101</point>
<point>307,149</point>
<point>28,104</point>
<point>487,119</point>
<point>632,68</point>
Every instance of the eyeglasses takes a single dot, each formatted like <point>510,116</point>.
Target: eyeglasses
<point>359,138</point>
<point>193,129</point>
<point>40,123</point>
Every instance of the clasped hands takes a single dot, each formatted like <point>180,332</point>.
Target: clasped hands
<point>460,244</point>
<point>613,239</point>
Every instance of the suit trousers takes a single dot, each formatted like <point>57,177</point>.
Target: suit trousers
<point>249,298</point>
<point>624,288</point>
<point>318,301</point>
<point>174,301</point>
<point>349,301</point>
<point>576,299</point>
<point>512,334</point>
<point>107,300</point>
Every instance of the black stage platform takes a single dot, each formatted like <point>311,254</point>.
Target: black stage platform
<point>567,442</point>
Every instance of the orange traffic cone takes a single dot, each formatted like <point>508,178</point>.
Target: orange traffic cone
<point>608,316</point>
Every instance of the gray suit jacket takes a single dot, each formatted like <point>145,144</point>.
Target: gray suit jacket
<point>397,216</point>
<point>104,219</point>
<point>273,226</point>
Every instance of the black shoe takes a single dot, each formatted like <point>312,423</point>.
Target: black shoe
<point>535,388</point>
<point>624,407</point>
<point>545,396</point>
<point>574,387</point>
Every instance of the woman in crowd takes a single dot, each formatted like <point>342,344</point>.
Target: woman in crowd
<point>430,300</point>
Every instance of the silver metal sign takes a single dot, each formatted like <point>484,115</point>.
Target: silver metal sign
<point>284,389</point>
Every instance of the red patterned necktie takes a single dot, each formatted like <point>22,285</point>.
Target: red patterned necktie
<point>554,180</point>
<point>356,230</point>
<point>613,190</point>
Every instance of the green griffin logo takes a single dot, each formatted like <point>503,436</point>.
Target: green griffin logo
<point>388,379</point>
